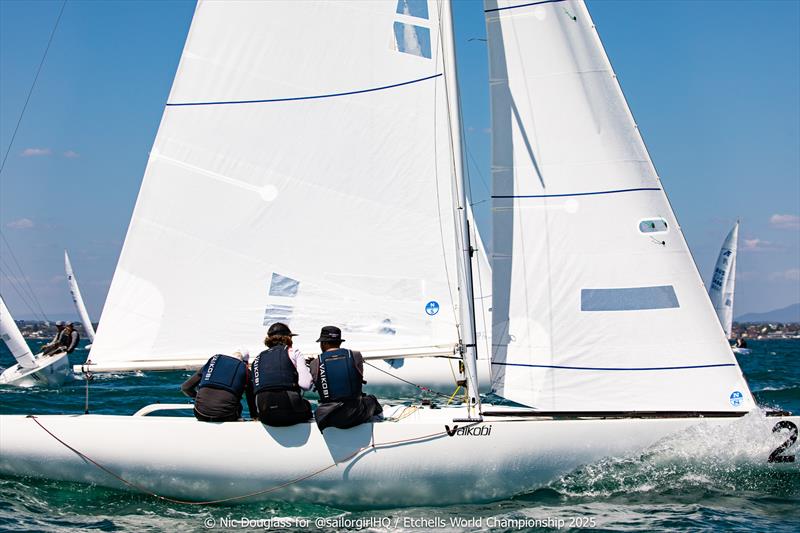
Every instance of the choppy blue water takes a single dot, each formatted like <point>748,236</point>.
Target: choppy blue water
<point>642,493</point>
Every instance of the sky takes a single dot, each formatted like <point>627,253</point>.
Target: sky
<point>714,87</point>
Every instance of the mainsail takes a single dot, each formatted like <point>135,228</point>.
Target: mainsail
<point>14,340</point>
<point>77,299</point>
<point>597,303</point>
<point>303,172</point>
<point>723,282</point>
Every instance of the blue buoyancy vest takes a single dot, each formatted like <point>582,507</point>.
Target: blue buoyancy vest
<point>338,378</point>
<point>225,373</point>
<point>273,370</point>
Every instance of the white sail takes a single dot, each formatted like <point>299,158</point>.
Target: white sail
<point>597,303</point>
<point>14,340</point>
<point>723,282</point>
<point>482,284</point>
<point>302,172</point>
<point>77,299</point>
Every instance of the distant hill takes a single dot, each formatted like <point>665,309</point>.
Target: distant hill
<point>789,313</point>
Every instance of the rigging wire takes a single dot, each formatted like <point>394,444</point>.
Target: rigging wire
<point>20,275</point>
<point>477,257</point>
<point>436,177</point>
<point>11,144</point>
<point>21,296</point>
<point>33,85</point>
<point>457,220</point>
<point>480,175</point>
<point>420,387</point>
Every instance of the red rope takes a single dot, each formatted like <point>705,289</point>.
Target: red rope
<point>243,496</point>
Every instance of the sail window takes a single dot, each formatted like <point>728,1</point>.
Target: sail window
<point>283,286</point>
<point>653,225</point>
<point>277,313</point>
<point>411,39</point>
<point>413,8</point>
<point>629,299</point>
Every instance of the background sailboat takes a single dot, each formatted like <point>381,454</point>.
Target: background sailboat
<point>77,299</point>
<point>723,284</point>
<point>30,370</point>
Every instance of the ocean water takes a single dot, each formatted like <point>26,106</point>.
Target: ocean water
<point>695,482</point>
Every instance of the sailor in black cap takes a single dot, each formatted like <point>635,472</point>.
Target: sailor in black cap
<point>338,376</point>
<point>279,377</point>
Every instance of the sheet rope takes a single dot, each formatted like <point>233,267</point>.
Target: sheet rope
<point>144,490</point>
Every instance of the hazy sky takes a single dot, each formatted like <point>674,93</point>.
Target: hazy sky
<point>714,87</point>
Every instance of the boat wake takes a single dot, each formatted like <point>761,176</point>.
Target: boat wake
<point>702,460</point>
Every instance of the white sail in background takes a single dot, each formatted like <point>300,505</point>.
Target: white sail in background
<point>302,172</point>
<point>14,340</point>
<point>77,299</point>
<point>597,303</point>
<point>723,281</point>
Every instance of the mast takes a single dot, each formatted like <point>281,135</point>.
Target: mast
<point>732,279</point>
<point>466,299</point>
<point>10,333</point>
<point>77,299</point>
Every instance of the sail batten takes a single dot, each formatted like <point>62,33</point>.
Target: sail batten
<point>310,97</point>
<point>596,299</point>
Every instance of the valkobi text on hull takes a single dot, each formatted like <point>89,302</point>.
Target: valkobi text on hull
<point>590,277</point>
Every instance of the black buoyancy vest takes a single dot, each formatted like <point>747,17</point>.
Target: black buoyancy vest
<point>273,370</point>
<point>74,335</point>
<point>225,373</point>
<point>64,338</point>
<point>338,379</point>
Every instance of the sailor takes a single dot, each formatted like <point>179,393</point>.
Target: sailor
<point>70,337</point>
<point>279,375</point>
<point>338,376</point>
<point>217,388</point>
<point>741,343</point>
<point>54,345</point>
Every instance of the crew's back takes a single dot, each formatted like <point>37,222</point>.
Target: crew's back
<point>338,376</point>
<point>218,386</point>
<point>278,378</point>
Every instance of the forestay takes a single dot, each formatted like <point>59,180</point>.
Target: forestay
<point>302,172</point>
<point>723,282</point>
<point>597,303</point>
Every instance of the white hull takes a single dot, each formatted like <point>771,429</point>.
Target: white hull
<point>51,370</point>
<point>184,459</point>
<point>741,351</point>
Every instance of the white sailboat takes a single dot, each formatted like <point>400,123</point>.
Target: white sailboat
<point>30,370</point>
<point>723,284</point>
<point>592,279</point>
<point>77,299</point>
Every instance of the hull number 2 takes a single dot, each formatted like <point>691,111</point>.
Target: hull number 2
<point>777,455</point>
